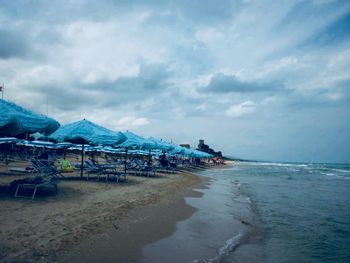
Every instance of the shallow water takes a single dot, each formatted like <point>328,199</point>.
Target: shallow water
<point>304,208</point>
<point>265,212</point>
<point>222,222</point>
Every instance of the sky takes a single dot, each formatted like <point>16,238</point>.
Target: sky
<point>262,80</point>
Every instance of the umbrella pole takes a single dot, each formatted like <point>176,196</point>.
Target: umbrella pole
<point>6,161</point>
<point>82,162</point>
<point>126,159</point>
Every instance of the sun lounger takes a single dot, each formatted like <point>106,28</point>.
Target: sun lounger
<point>141,168</point>
<point>33,183</point>
<point>44,167</point>
<point>159,167</point>
<point>21,170</point>
<point>109,171</point>
<point>146,170</point>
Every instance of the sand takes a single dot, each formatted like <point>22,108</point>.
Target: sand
<point>56,227</point>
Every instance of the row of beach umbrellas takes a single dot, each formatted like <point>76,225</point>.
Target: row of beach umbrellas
<point>16,121</point>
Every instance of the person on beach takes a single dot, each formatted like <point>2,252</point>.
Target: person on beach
<point>163,160</point>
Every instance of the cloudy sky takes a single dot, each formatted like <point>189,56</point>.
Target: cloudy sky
<point>267,80</point>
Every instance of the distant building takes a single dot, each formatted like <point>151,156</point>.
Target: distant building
<point>205,148</point>
<point>185,145</point>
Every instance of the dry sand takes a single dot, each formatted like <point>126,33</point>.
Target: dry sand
<point>47,228</point>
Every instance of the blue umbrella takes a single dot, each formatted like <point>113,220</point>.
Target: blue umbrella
<point>136,141</point>
<point>162,145</point>
<point>86,132</point>
<point>17,121</point>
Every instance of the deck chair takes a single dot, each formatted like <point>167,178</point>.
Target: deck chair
<point>33,183</point>
<point>146,169</point>
<point>44,167</point>
<point>109,171</point>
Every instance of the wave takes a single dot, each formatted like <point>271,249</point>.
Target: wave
<point>336,176</point>
<point>277,164</point>
<point>340,170</point>
<point>223,251</point>
<point>325,169</point>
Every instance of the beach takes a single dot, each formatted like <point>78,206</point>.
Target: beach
<point>48,228</point>
<point>225,213</point>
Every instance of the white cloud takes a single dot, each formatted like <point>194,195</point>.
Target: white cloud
<point>209,35</point>
<point>130,122</point>
<point>240,110</point>
<point>268,101</point>
<point>201,107</point>
<point>334,96</point>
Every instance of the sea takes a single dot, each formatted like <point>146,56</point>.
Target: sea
<point>264,212</point>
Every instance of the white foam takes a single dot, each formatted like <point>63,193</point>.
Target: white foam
<point>223,251</point>
<point>277,164</point>
<point>248,200</point>
<point>337,176</point>
<point>328,174</point>
<point>341,170</point>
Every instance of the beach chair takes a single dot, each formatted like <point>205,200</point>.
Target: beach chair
<point>109,171</point>
<point>164,167</point>
<point>33,183</point>
<point>146,169</point>
<point>93,168</point>
<point>44,167</point>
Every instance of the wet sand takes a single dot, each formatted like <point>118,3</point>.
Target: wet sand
<point>86,219</point>
<point>143,225</point>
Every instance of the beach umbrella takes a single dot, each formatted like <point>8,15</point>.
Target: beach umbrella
<point>86,132</point>
<point>136,141</point>
<point>16,121</point>
<point>162,145</point>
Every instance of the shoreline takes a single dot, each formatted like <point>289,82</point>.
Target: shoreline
<point>141,226</point>
<point>51,227</point>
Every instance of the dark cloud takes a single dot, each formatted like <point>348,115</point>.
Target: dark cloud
<point>344,84</point>
<point>307,11</point>
<point>221,83</point>
<point>13,44</point>
<point>58,12</point>
<point>198,11</point>
<point>67,97</point>
<point>151,81</point>
<point>335,33</point>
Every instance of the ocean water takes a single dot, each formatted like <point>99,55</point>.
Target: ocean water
<point>265,212</point>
